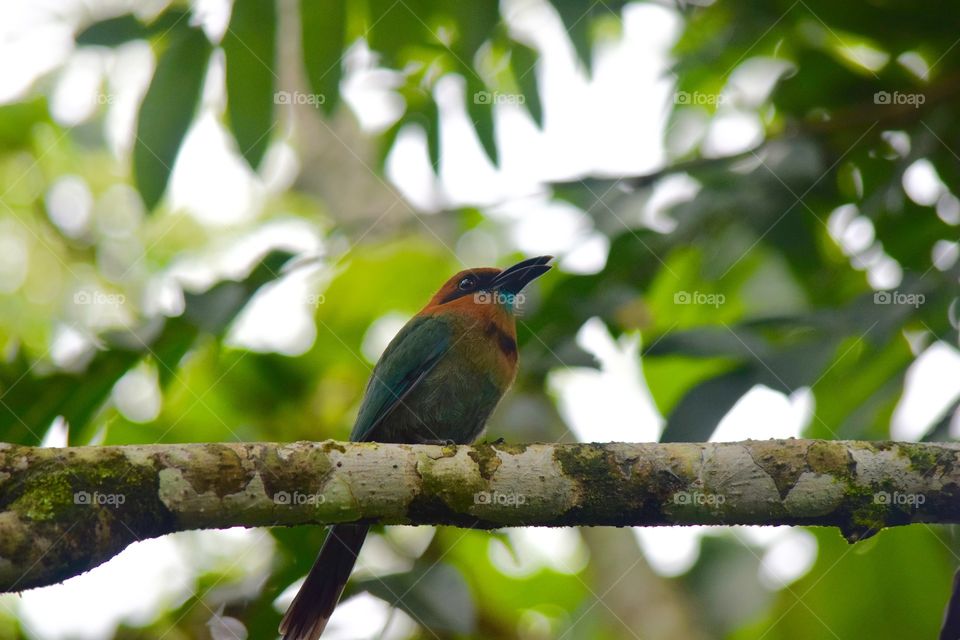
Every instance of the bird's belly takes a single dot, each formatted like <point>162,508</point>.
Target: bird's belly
<point>451,404</point>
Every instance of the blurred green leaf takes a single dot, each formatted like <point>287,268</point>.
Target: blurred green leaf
<point>475,22</point>
<point>576,21</point>
<point>31,401</point>
<point>116,31</point>
<point>424,113</point>
<point>480,110</point>
<point>435,595</point>
<point>324,41</point>
<point>503,597</point>
<point>670,377</point>
<point>906,574</point>
<point>523,62</point>
<point>710,342</point>
<point>167,110</point>
<point>940,431</point>
<point>250,47</point>
<point>396,29</point>
<point>18,119</point>
<point>699,411</point>
<point>858,374</point>
<point>725,581</point>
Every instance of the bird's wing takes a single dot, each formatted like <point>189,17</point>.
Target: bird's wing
<point>410,356</point>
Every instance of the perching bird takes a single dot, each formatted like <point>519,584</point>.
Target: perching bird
<point>437,382</point>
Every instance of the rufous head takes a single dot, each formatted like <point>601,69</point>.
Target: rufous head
<point>489,286</point>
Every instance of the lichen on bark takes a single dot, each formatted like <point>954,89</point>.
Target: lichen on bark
<point>63,511</point>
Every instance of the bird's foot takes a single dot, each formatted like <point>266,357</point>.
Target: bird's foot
<point>441,443</point>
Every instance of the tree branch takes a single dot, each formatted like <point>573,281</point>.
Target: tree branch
<point>64,511</point>
<point>841,120</point>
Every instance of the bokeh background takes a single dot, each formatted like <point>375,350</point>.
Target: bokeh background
<point>214,216</point>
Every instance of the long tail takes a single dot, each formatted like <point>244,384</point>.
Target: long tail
<point>311,609</point>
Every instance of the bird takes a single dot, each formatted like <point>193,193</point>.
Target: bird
<point>437,382</point>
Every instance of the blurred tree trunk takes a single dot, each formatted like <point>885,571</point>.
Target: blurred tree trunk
<point>338,161</point>
<point>632,595</point>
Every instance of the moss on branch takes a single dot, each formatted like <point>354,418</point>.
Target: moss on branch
<point>64,511</point>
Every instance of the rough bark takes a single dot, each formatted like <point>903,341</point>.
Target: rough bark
<point>64,511</point>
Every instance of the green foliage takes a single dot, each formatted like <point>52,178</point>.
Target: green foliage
<point>324,42</point>
<point>163,123</point>
<point>580,22</point>
<point>250,47</point>
<point>420,39</point>
<point>435,595</point>
<point>117,31</point>
<point>758,228</point>
<point>18,119</point>
<point>77,396</point>
<point>917,561</point>
<point>523,62</point>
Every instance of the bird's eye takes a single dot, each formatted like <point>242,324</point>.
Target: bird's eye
<point>467,283</point>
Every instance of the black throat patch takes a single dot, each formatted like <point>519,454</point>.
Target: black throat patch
<point>506,344</point>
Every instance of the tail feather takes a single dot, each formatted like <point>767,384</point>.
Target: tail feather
<point>309,612</point>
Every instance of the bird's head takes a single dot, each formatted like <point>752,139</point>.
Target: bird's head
<point>486,287</point>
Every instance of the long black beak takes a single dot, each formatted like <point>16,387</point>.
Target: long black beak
<point>514,279</point>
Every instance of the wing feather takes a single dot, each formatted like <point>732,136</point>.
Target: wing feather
<point>409,357</point>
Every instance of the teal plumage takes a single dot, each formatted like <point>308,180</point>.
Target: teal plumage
<point>410,357</point>
<point>437,381</point>
<point>430,385</point>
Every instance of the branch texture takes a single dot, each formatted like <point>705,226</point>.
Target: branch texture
<point>64,511</point>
